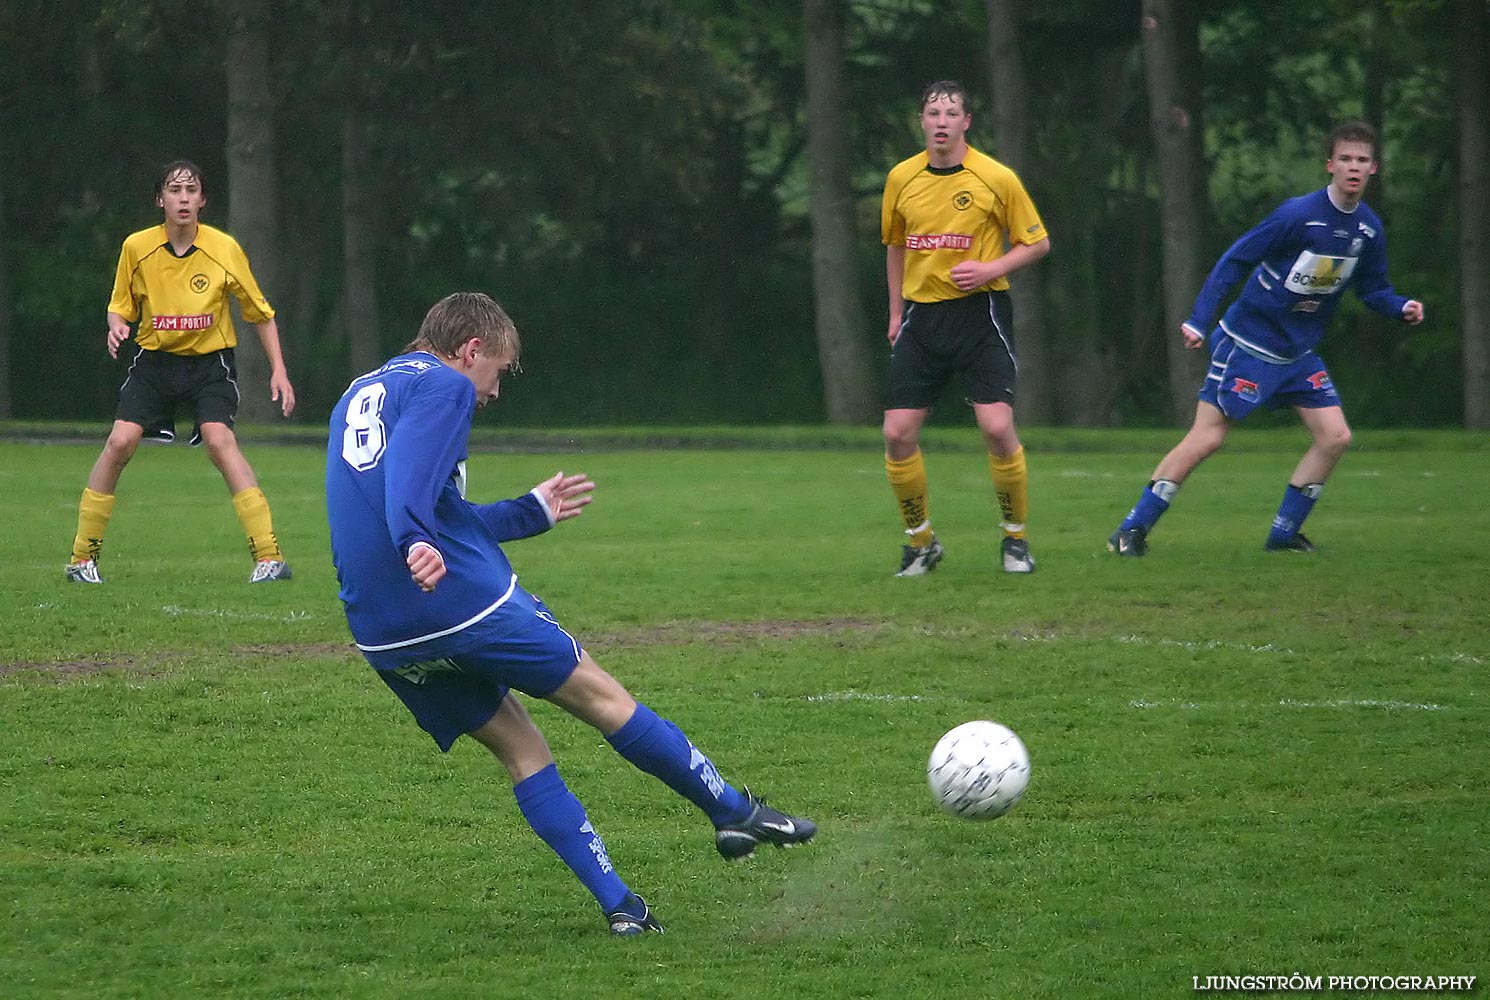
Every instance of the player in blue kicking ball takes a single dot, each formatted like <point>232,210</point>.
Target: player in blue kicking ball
<point>1295,263</point>
<point>436,608</point>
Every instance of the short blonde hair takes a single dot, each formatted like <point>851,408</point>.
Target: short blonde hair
<point>460,316</point>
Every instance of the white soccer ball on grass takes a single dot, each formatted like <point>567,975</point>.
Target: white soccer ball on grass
<point>979,770</point>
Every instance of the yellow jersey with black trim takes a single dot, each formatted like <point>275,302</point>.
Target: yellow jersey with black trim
<point>181,303</point>
<point>943,215</point>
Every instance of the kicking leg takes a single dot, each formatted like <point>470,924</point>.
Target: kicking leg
<point>658,747</point>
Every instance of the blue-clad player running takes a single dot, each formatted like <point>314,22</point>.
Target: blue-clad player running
<point>1296,262</point>
<point>436,608</point>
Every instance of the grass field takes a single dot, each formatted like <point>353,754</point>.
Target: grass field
<point>1244,763</point>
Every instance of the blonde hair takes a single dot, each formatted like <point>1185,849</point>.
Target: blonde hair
<point>460,316</point>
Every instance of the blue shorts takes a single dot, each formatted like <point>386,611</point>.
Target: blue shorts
<point>1238,383</point>
<point>455,684</point>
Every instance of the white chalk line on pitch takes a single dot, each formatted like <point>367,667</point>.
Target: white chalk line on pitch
<point>864,696</point>
<point>1242,647</point>
<point>1388,705</point>
<point>175,611</point>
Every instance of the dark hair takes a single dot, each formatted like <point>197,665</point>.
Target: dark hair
<point>1356,131</point>
<point>179,167</point>
<point>945,88</point>
<point>460,316</point>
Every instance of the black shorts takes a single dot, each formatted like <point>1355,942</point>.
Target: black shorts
<point>972,336</point>
<point>159,382</point>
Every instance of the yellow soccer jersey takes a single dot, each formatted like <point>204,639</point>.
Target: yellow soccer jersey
<point>946,215</point>
<point>181,303</point>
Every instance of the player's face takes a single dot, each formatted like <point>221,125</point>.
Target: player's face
<point>945,122</point>
<point>485,372</point>
<point>181,198</point>
<point>1350,168</point>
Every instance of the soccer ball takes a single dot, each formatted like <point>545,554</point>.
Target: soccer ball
<point>979,770</point>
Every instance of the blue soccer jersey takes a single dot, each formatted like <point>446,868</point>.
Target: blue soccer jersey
<point>395,475</point>
<point>1297,261</point>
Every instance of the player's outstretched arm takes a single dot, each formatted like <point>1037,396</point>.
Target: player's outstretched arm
<point>556,499</point>
<point>566,496</point>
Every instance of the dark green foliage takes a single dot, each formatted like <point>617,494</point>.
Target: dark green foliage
<point>630,179</point>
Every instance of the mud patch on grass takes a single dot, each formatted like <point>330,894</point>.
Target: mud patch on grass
<point>671,634</point>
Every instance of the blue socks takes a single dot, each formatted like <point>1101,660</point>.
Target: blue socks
<point>558,818</point>
<point>1298,501</point>
<point>658,747</point>
<point>1151,505</point>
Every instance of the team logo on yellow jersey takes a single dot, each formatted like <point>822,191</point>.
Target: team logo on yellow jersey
<point>962,200</point>
<point>200,322</point>
<point>199,283</point>
<point>938,241</point>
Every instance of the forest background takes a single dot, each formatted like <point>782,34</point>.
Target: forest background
<point>679,201</point>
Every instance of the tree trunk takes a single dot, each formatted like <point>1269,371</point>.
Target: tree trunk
<point>6,399</point>
<point>1472,69</point>
<point>359,271</point>
<point>1011,135</point>
<point>841,348</point>
<point>359,239</point>
<point>252,190</point>
<point>1380,38</point>
<point>1171,61</point>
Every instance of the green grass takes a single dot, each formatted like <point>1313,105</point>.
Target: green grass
<point>1243,762</point>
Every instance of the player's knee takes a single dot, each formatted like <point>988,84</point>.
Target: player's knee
<point>515,740</point>
<point>1205,441</point>
<point>1337,440</point>
<point>901,439</point>
<point>219,441</point>
<point>120,447</point>
<point>594,696</point>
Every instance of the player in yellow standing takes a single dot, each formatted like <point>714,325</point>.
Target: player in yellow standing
<point>173,283</point>
<point>955,224</point>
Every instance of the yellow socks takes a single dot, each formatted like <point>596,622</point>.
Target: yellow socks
<point>908,480</point>
<point>253,513</point>
<point>1009,482</point>
<point>94,511</point>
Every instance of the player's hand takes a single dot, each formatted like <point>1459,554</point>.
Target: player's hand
<point>566,496</point>
<point>970,274</point>
<point>426,565</point>
<point>1193,337</point>
<point>894,333</point>
<point>282,392</point>
<point>118,334</point>
<point>1412,311</point>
